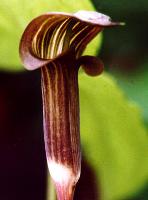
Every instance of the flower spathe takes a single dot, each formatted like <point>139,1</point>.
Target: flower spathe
<point>55,42</point>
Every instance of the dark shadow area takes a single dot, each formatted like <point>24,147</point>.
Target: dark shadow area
<point>23,164</point>
<point>87,187</point>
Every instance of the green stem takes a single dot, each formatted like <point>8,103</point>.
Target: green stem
<point>51,193</point>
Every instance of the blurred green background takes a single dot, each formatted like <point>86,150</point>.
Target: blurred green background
<point>114,110</point>
<point>125,50</point>
<point>125,53</point>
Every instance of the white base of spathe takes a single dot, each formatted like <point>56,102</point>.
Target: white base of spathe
<point>63,175</point>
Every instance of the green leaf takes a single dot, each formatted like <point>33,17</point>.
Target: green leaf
<point>113,137</point>
<point>136,87</point>
<point>14,17</point>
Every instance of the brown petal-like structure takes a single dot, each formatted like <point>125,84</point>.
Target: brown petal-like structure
<point>55,42</point>
<point>61,123</point>
<point>53,34</point>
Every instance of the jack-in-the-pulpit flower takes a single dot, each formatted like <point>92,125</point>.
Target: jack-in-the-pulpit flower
<point>55,42</point>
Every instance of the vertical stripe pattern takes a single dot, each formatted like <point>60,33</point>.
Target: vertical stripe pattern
<point>57,34</point>
<point>61,112</point>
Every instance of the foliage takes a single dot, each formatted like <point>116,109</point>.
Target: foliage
<point>113,137</point>
<point>135,87</point>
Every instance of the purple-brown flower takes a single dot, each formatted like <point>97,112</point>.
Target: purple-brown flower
<point>55,42</point>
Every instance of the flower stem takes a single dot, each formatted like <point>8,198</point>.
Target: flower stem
<point>61,124</point>
<point>51,195</point>
<point>65,193</point>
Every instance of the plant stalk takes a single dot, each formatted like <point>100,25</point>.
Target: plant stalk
<point>61,124</point>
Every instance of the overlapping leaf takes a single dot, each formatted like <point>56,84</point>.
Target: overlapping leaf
<point>113,137</point>
<point>136,87</point>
